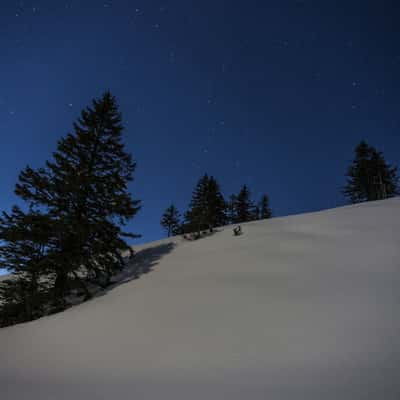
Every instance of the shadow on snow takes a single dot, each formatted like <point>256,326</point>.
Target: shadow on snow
<point>143,262</point>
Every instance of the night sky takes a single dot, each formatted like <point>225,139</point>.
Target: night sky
<point>274,94</point>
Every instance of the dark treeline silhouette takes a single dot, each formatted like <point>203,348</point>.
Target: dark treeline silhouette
<point>209,210</point>
<point>71,232</point>
<point>369,177</point>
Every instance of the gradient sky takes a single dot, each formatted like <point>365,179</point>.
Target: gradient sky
<point>274,94</point>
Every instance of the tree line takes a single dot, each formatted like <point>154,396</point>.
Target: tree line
<point>69,239</point>
<point>208,209</point>
<point>369,178</point>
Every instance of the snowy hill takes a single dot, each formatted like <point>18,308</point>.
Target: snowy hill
<point>302,307</point>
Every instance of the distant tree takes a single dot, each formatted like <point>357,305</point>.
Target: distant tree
<point>255,212</point>
<point>244,206</point>
<point>195,217</point>
<point>369,177</point>
<point>207,207</point>
<point>216,205</point>
<point>231,209</point>
<point>170,220</point>
<point>265,210</point>
<point>84,192</point>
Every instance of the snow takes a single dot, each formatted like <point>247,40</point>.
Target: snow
<point>301,307</point>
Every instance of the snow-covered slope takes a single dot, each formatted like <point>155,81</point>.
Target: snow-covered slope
<point>302,307</point>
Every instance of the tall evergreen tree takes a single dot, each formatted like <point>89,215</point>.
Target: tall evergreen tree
<point>244,206</point>
<point>170,220</point>
<point>369,177</point>
<point>84,190</point>
<point>207,207</point>
<point>265,210</point>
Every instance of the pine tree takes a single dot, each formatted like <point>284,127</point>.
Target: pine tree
<point>170,220</point>
<point>207,207</point>
<point>25,244</point>
<point>369,177</point>
<point>231,210</point>
<point>265,211</point>
<point>195,217</point>
<point>244,206</point>
<point>255,212</point>
<point>216,205</point>
<point>84,190</point>
<point>13,302</point>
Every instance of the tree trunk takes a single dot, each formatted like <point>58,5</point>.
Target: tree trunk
<point>83,286</point>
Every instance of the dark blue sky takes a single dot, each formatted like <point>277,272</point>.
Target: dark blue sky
<point>274,94</point>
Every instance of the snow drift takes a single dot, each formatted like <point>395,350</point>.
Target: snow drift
<point>302,307</point>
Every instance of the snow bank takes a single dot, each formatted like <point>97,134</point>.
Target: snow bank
<point>302,307</point>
